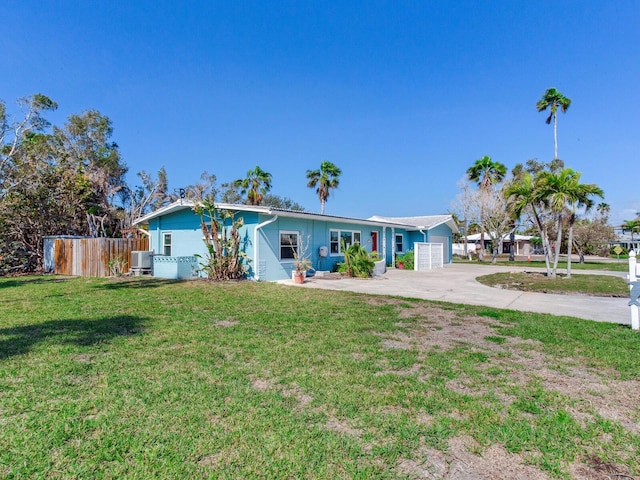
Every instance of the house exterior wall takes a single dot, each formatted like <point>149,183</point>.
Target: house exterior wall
<point>264,251</point>
<point>443,231</point>
<point>315,234</point>
<point>186,233</point>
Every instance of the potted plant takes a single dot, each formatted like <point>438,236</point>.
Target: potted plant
<point>301,262</point>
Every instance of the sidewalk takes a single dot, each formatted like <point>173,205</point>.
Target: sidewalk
<point>456,284</point>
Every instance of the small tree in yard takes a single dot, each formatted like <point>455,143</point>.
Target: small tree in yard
<point>224,259</point>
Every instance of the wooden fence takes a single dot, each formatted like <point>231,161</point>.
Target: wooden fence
<point>90,257</point>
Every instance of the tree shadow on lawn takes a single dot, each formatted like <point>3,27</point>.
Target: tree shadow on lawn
<point>82,332</point>
<point>31,280</point>
<point>136,282</point>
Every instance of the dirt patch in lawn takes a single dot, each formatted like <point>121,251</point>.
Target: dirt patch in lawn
<point>591,394</point>
<point>458,463</point>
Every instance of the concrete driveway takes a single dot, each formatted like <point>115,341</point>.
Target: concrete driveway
<point>457,283</point>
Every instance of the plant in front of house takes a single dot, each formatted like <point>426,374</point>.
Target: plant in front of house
<point>224,259</point>
<point>357,261</point>
<point>406,260</point>
<point>301,261</point>
<point>117,266</point>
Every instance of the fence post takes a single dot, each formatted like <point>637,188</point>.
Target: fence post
<point>635,323</point>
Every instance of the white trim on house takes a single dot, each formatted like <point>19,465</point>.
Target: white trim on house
<point>339,251</point>
<point>166,245</point>
<point>280,245</point>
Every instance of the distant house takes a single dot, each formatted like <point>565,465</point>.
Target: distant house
<point>522,243</point>
<point>176,236</point>
<point>628,240</point>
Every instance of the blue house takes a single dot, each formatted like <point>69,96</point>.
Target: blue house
<point>268,233</point>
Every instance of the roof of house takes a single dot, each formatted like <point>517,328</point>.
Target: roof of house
<point>420,223</point>
<point>266,210</point>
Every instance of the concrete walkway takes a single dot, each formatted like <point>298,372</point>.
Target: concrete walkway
<point>457,283</point>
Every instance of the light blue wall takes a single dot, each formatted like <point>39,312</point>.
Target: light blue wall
<point>410,237</point>
<point>186,234</point>
<point>314,232</point>
<point>443,231</point>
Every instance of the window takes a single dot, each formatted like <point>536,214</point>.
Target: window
<point>399,242</point>
<point>338,237</point>
<point>166,244</point>
<point>289,242</point>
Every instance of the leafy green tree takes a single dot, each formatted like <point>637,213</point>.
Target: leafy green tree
<point>552,99</point>
<point>255,185</point>
<point>485,173</point>
<point>324,180</point>
<point>58,180</point>
<point>284,203</point>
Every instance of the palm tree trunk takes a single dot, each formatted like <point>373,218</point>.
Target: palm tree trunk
<point>544,238</point>
<point>555,137</point>
<point>321,206</point>
<point>558,242</point>
<point>572,219</point>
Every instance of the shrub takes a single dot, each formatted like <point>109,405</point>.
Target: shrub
<point>407,260</point>
<point>357,262</point>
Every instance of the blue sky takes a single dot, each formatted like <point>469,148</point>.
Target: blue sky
<point>403,96</point>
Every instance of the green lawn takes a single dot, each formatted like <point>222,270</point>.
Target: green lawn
<point>599,285</point>
<point>146,378</point>
<point>610,266</point>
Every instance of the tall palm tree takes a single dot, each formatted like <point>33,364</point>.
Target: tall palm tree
<point>325,179</point>
<point>553,100</point>
<point>255,185</point>
<point>486,173</point>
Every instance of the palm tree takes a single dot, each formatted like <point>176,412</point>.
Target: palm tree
<point>325,179</point>
<point>256,185</point>
<point>562,189</point>
<point>522,195</point>
<point>630,225</point>
<point>553,99</point>
<point>579,197</point>
<point>604,209</point>
<point>486,173</point>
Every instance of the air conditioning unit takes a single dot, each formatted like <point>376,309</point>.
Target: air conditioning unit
<point>141,260</point>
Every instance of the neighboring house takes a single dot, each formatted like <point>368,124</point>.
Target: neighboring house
<point>630,241</point>
<point>522,244</point>
<point>175,234</point>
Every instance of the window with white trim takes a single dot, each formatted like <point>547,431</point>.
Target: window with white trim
<point>166,244</point>
<point>399,242</point>
<point>338,237</point>
<point>289,243</point>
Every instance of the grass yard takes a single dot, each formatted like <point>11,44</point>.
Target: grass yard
<point>143,378</point>
<point>610,266</point>
<point>598,285</point>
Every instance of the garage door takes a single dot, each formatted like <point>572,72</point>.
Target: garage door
<point>445,247</point>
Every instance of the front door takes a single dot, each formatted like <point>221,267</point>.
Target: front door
<point>374,241</point>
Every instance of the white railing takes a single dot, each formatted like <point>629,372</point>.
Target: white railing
<point>634,286</point>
